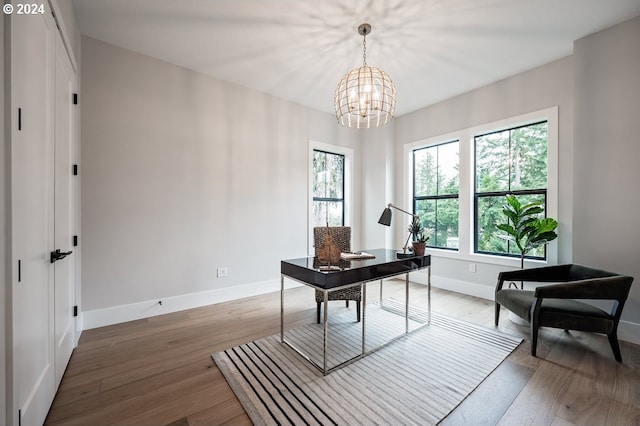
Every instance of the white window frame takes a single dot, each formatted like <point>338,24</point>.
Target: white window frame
<point>466,179</point>
<point>348,186</point>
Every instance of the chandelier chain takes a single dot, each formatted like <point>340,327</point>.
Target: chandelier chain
<point>364,51</point>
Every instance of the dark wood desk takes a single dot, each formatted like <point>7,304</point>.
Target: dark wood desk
<point>385,264</point>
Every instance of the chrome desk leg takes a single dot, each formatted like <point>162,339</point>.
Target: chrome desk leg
<point>324,325</point>
<point>406,304</point>
<point>364,312</point>
<point>429,293</point>
<point>381,293</point>
<point>281,308</point>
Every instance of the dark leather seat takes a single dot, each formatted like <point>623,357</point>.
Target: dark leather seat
<point>559,305</point>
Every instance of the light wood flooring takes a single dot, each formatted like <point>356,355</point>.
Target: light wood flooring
<point>159,371</point>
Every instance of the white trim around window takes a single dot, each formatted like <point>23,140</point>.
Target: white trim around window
<point>348,185</point>
<point>466,179</point>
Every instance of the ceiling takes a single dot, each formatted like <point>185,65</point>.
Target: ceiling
<point>299,49</point>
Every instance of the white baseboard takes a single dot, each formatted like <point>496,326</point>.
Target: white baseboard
<point>627,331</point>
<point>464,287</point>
<point>150,308</point>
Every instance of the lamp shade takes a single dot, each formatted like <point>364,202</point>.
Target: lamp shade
<point>385,218</point>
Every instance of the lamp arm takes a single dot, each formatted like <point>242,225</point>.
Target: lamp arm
<point>403,211</point>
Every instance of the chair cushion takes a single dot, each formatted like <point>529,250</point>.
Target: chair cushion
<point>519,302</point>
<point>349,293</point>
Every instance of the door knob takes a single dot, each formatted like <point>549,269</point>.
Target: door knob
<point>57,255</point>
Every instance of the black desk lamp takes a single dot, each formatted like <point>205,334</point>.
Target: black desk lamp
<point>385,219</point>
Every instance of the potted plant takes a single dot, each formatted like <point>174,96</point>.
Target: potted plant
<point>524,226</point>
<point>420,236</point>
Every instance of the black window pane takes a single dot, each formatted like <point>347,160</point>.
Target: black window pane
<point>490,215</point>
<point>426,210</point>
<point>328,175</point>
<point>448,169</point>
<point>425,168</point>
<point>330,212</point>
<point>492,162</point>
<point>529,157</point>
<point>328,189</point>
<point>446,235</point>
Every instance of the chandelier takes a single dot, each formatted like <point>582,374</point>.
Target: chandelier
<point>366,96</point>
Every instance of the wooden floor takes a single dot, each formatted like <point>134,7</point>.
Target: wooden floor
<point>158,371</point>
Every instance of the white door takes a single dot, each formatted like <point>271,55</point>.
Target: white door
<point>64,269</point>
<point>32,54</point>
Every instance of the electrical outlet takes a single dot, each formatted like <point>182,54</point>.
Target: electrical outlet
<point>222,272</point>
<point>472,267</point>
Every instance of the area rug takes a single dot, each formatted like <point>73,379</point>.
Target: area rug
<point>417,379</point>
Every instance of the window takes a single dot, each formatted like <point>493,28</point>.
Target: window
<point>435,192</point>
<point>328,189</point>
<point>511,161</point>
<point>483,163</point>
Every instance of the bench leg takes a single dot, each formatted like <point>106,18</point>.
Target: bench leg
<point>497,313</point>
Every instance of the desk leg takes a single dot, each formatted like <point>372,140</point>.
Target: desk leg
<point>364,313</point>
<point>429,293</point>
<point>281,308</point>
<point>324,334</point>
<point>406,304</point>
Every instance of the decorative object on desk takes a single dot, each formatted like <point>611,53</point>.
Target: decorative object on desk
<point>420,236</point>
<point>366,96</point>
<point>341,237</point>
<point>525,228</point>
<point>442,361</point>
<point>385,219</point>
<point>328,252</point>
<point>358,255</point>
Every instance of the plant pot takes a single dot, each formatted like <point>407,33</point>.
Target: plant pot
<point>418,248</point>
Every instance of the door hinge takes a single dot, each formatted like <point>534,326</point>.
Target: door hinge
<point>75,311</point>
<point>75,170</point>
<point>75,99</point>
<point>75,240</point>
<point>19,118</point>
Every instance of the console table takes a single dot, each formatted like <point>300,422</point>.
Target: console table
<point>359,272</point>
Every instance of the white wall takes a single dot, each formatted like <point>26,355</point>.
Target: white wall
<point>183,173</point>
<point>378,157</point>
<point>534,90</point>
<point>607,154</point>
